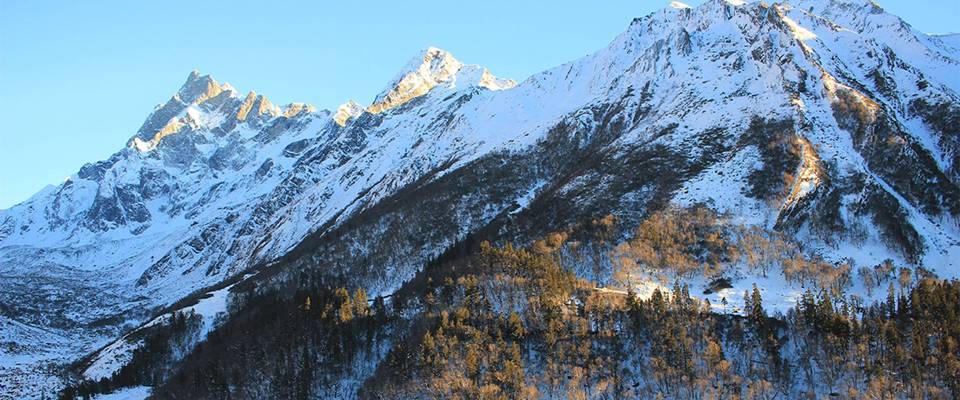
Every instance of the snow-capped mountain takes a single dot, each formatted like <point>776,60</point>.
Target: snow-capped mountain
<point>830,120</point>
<point>212,184</point>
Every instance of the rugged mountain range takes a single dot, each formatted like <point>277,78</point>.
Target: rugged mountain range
<point>831,121</point>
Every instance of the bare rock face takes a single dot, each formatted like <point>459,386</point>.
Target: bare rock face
<point>256,107</point>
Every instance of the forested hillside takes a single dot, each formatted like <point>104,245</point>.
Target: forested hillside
<point>506,322</point>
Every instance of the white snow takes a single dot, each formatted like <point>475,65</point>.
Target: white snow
<point>132,393</point>
<point>211,307</point>
<point>799,32</point>
<point>701,73</point>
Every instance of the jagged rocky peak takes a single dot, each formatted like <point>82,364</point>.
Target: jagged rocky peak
<point>295,109</point>
<point>346,112</point>
<point>204,103</point>
<point>198,88</point>
<point>173,115</point>
<point>256,106</point>
<point>430,68</point>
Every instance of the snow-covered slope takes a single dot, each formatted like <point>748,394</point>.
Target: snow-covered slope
<point>830,120</point>
<point>212,184</point>
<point>836,133</point>
<point>209,310</point>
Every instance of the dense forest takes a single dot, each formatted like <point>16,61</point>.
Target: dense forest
<point>489,322</point>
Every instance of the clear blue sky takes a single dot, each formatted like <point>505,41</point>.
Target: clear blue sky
<point>78,78</point>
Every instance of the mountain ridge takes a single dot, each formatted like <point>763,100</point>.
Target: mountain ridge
<point>204,193</point>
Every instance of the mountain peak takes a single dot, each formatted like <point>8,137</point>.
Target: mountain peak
<point>198,88</point>
<point>165,119</point>
<point>430,68</point>
<point>255,105</point>
<point>294,109</point>
<point>347,111</point>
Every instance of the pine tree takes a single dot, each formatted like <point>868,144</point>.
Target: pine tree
<point>515,326</point>
<point>755,311</point>
<point>345,308</point>
<point>428,353</point>
<point>747,304</point>
<point>360,306</point>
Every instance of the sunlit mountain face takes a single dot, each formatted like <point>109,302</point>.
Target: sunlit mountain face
<point>734,200</point>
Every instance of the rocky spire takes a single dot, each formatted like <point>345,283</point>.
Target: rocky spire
<point>255,105</point>
<point>198,88</point>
